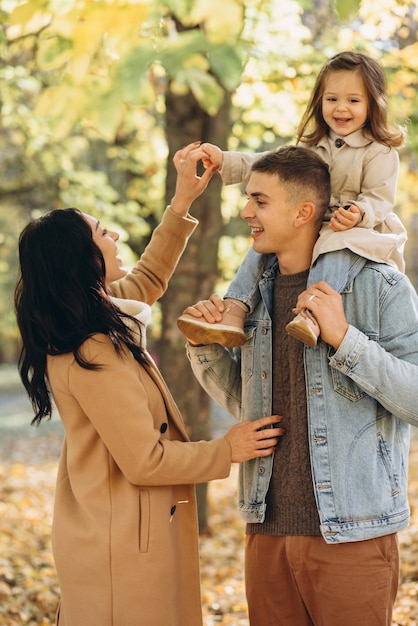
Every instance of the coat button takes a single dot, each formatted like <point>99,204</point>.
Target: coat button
<point>163,427</point>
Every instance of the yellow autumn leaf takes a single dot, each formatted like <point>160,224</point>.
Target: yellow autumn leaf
<point>114,26</point>
<point>222,19</point>
<point>63,105</point>
<point>26,18</point>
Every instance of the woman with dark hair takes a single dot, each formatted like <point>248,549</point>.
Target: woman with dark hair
<point>125,536</point>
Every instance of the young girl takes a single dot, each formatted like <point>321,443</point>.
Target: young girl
<point>125,533</point>
<point>345,122</point>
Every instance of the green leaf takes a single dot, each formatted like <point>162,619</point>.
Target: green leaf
<point>346,8</point>
<point>205,89</point>
<point>105,111</point>
<point>175,52</point>
<point>53,52</point>
<point>130,75</point>
<point>226,63</point>
<point>189,59</point>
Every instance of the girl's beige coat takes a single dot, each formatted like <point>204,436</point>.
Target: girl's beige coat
<point>125,534</point>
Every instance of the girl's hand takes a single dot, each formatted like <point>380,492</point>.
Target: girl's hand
<point>189,185</point>
<point>212,156</point>
<point>345,218</point>
<point>252,439</point>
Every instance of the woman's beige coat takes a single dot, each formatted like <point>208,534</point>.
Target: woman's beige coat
<point>125,536</point>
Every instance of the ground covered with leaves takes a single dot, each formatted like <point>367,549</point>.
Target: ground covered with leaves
<point>29,589</point>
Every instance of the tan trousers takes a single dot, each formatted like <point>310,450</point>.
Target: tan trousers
<point>303,581</point>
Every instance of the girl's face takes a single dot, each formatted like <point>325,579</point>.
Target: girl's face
<point>344,102</point>
<point>106,240</point>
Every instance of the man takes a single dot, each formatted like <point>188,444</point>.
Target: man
<point>323,513</point>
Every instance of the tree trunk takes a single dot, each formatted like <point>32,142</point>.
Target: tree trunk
<point>197,271</point>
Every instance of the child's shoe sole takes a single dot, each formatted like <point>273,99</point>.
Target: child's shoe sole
<point>305,328</point>
<point>202,332</point>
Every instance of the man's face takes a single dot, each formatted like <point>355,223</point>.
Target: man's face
<point>269,214</point>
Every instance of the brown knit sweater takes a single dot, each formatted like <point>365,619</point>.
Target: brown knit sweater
<point>291,507</point>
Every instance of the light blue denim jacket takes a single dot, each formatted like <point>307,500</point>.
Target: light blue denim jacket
<point>361,400</point>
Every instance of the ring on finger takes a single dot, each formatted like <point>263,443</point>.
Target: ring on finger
<point>311,297</point>
<point>181,160</point>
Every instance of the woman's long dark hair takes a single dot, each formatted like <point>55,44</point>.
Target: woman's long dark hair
<point>61,300</point>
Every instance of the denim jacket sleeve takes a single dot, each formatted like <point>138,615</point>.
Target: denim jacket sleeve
<point>384,362</point>
<point>218,370</point>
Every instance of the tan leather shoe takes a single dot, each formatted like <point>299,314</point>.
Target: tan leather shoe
<point>229,332</point>
<point>305,328</point>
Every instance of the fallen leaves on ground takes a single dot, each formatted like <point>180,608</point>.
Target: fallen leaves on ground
<point>29,588</point>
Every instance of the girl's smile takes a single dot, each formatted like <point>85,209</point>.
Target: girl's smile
<point>344,102</point>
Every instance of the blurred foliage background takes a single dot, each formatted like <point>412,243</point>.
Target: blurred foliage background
<point>96,96</point>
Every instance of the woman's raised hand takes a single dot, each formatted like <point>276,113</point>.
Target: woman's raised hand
<point>189,185</point>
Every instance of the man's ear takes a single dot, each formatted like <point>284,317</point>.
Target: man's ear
<point>305,213</point>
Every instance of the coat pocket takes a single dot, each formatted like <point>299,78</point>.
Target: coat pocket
<point>144,520</point>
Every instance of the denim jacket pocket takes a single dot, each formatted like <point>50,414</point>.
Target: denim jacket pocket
<point>343,384</point>
<point>384,454</point>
